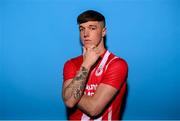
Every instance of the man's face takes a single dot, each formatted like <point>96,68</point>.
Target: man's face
<point>91,33</point>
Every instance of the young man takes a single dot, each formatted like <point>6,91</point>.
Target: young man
<point>94,82</point>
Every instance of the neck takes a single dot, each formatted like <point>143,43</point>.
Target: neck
<point>102,48</point>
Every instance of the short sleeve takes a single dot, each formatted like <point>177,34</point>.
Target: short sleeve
<point>116,73</point>
<point>69,70</point>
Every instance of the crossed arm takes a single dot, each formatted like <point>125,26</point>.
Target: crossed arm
<point>73,88</point>
<point>92,105</point>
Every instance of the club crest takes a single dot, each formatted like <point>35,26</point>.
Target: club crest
<point>99,71</point>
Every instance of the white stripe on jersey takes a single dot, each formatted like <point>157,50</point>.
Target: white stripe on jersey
<point>110,62</point>
<point>99,70</point>
<point>110,114</point>
<point>85,117</point>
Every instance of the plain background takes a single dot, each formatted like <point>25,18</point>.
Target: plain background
<point>38,36</point>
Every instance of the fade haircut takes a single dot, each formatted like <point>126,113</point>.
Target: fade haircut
<point>91,15</point>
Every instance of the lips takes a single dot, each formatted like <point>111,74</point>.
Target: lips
<point>87,40</point>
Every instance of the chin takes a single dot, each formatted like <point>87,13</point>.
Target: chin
<point>87,45</point>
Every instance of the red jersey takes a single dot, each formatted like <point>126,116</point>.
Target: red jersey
<point>109,70</point>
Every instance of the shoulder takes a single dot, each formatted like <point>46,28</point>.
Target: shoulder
<point>116,71</point>
<point>117,62</point>
<point>115,59</point>
<point>76,61</point>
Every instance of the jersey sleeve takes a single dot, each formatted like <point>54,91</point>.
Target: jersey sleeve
<point>116,73</point>
<point>69,70</point>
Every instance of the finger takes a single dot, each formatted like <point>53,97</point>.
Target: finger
<point>97,51</point>
<point>93,46</point>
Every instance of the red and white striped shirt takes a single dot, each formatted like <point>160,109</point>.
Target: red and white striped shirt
<point>110,70</point>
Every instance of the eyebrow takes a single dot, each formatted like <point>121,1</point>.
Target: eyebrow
<point>92,25</point>
<point>88,26</point>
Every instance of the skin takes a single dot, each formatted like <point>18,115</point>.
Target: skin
<point>91,34</point>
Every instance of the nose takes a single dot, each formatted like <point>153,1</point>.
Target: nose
<point>86,33</point>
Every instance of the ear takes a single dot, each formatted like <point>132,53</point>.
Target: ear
<point>103,31</point>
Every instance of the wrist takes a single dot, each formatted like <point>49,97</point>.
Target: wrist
<point>86,66</point>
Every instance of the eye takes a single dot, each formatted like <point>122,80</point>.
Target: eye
<point>92,28</point>
<point>81,29</point>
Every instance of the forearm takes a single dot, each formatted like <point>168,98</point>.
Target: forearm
<point>89,105</point>
<point>74,91</point>
<point>94,105</point>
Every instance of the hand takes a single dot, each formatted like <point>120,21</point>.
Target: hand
<point>90,56</point>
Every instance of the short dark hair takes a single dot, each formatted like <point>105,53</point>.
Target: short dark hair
<point>90,15</point>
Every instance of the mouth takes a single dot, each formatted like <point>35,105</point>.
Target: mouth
<point>87,41</point>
